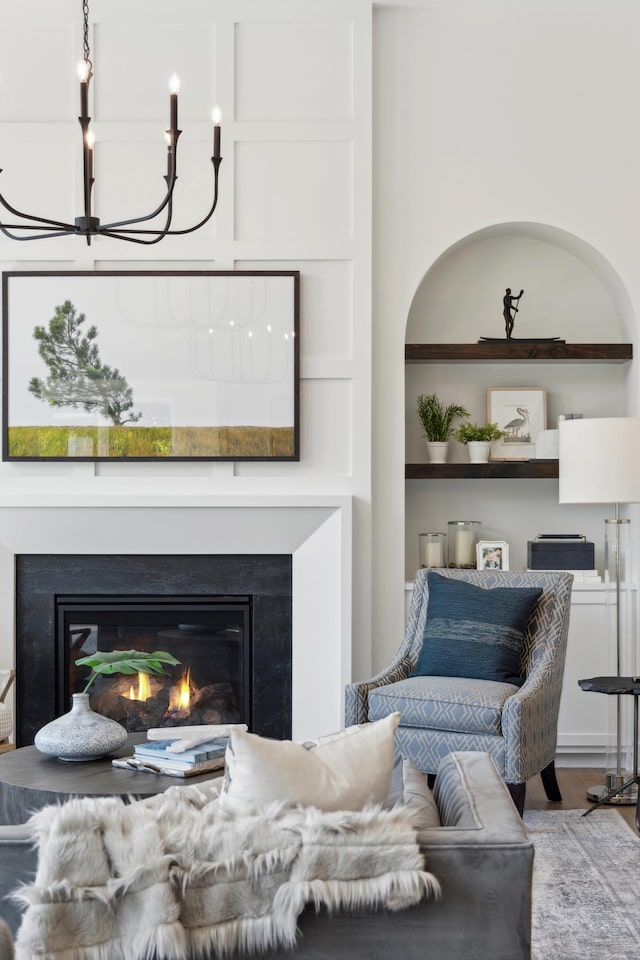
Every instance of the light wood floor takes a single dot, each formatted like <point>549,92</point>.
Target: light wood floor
<point>573,785</point>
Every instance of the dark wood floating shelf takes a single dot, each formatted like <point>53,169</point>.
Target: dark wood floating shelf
<point>518,350</point>
<point>494,470</point>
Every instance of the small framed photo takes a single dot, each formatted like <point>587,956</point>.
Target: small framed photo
<point>492,555</point>
<point>522,413</point>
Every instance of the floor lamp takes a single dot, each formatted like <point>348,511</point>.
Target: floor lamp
<point>600,463</point>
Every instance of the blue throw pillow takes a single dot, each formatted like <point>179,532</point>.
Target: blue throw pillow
<point>475,632</point>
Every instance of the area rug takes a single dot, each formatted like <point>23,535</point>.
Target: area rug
<point>586,885</point>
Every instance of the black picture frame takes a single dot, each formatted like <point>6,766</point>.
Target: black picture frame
<point>151,365</point>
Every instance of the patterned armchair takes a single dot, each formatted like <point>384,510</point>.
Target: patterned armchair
<point>517,726</point>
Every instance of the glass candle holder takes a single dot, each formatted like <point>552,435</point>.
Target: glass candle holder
<point>463,537</point>
<point>433,550</point>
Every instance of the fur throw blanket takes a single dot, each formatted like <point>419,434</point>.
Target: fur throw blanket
<point>181,876</point>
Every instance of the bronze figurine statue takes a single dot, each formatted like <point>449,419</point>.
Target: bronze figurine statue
<point>510,303</point>
<point>510,306</point>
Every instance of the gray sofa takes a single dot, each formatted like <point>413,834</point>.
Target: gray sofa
<point>480,854</point>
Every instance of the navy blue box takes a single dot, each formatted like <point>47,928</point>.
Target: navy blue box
<point>560,555</point>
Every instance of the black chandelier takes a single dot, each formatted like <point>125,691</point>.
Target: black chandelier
<point>88,225</point>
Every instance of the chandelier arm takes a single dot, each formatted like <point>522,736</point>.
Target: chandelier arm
<point>170,179</point>
<point>40,221</point>
<point>123,236</point>
<point>108,232</point>
<point>5,229</point>
<point>216,165</point>
<point>171,233</point>
<point>106,227</point>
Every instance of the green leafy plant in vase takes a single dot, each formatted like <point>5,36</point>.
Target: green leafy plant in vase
<point>83,734</point>
<point>478,437</point>
<point>129,662</point>
<point>437,423</point>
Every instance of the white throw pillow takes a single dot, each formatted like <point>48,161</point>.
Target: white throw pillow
<point>343,771</point>
<point>419,798</point>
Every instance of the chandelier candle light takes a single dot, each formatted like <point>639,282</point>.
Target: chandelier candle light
<point>88,225</point>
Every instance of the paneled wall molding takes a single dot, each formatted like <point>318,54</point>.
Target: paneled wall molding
<point>295,193</point>
<point>294,189</point>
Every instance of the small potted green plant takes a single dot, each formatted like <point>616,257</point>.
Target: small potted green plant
<point>478,437</point>
<point>437,422</point>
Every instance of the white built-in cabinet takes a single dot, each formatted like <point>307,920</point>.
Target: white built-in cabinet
<point>582,721</point>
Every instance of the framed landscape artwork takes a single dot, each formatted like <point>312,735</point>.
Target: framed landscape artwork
<point>191,365</point>
<point>521,413</point>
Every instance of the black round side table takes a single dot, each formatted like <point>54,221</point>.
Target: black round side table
<point>619,686</point>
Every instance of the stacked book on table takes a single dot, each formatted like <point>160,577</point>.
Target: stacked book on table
<point>194,752</point>
<point>156,755</point>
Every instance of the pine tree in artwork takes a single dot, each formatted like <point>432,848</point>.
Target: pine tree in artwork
<point>77,376</point>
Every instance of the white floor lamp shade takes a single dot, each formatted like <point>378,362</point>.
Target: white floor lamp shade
<point>600,463</point>
<point>600,460</point>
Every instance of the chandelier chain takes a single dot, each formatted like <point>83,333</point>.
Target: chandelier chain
<point>85,39</point>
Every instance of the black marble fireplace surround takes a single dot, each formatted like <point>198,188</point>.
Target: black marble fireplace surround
<point>265,578</point>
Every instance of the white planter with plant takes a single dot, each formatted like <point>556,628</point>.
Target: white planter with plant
<point>83,734</point>
<point>478,437</point>
<point>437,422</point>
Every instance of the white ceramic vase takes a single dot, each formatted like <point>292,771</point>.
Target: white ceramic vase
<point>479,451</point>
<point>81,734</point>
<point>437,450</point>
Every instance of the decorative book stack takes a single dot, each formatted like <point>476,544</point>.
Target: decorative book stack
<point>161,756</point>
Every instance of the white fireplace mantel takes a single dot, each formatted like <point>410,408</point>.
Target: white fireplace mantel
<point>54,516</point>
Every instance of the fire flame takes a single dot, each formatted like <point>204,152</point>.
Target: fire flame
<point>144,688</point>
<point>180,697</point>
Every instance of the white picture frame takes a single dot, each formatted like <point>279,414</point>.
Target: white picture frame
<point>492,555</point>
<point>522,413</point>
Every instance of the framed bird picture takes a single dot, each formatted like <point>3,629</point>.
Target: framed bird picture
<point>521,413</point>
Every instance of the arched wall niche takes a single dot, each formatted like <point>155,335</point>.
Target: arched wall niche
<point>571,291</point>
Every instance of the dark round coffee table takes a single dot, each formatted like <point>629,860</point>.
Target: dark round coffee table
<point>29,780</point>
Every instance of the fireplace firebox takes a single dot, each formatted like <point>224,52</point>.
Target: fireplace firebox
<point>263,580</point>
<point>210,636</point>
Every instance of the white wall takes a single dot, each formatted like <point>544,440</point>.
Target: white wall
<point>486,113</point>
<point>293,83</point>
<point>491,113</point>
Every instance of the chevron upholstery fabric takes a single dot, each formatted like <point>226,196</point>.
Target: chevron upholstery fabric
<point>445,703</point>
<point>525,742</point>
<point>427,749</point>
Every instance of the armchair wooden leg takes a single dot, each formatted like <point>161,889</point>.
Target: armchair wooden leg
<point>550,784</point>
<point>517,791</point>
